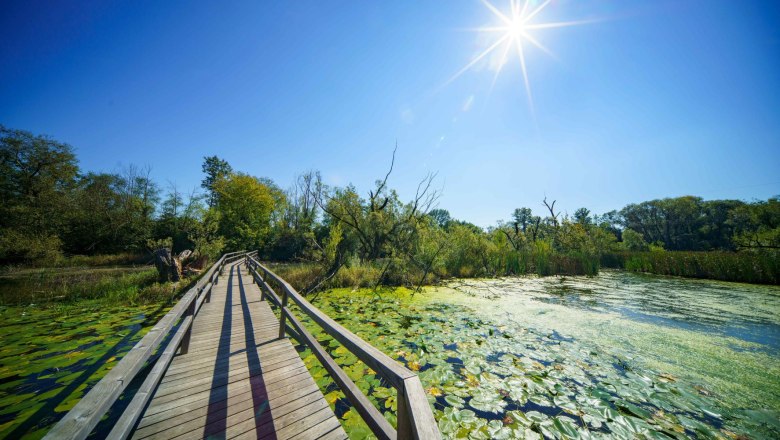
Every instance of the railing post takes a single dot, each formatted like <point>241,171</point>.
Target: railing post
<point>283,316</point>
<point>185,342</point>
<point>404,422</point>
<point>260,285</point>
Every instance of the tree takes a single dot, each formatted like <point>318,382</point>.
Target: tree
<point>215,170</point>
<point>523,217</point>
<point>757,225</point>
<point>441,217</point>
<point>37,175</point>
<point>633,241</point>
<point>582,216</point>
<point>245,206</point>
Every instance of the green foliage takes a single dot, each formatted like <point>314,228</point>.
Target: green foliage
<point>245,206</point>
<point>36,176</point>
<point>115,286</point>
<point>633,241</point>
<point>760,268</point>
<point>205,235</point>
<point>215,170</point>
<point>757,225</point>
<point>15,245</point>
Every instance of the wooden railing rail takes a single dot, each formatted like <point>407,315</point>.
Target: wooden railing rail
<point>79,422</point>
<point>414,416</point>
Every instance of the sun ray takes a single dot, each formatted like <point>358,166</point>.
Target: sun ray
<point>521,54</point>
<point>476,59</point>
<point>540,46</point>
<point>559,24</point>
<point>525,8</point>
<point>503,60</point>
<point>496,12</point>
<point>490,29</point>
<point>536,11</point>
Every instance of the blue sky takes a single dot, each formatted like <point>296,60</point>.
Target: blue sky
<point>647,100</point>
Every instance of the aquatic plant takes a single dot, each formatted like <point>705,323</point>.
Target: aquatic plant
<point>51,356</point>
<point>492,377</point>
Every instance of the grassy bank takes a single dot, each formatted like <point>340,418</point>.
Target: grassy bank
<point>122,285</point>
<point>757,268</point>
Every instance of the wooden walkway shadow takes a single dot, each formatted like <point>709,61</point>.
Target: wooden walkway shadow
<point>238,379</point>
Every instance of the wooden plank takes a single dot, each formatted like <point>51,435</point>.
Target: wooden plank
<point>247,429</point>
<point>318,430</point>
<point>230,374</point>
<point>165,410</point>
<point>185,422</point>
<point>206,385</point>
<point>336,434</point>
<point>258,420</point>
<point>198,365</point>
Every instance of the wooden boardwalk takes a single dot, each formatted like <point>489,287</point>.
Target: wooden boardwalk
<point>238,379</point>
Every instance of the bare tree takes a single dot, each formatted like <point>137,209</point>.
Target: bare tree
<point>383,226</point>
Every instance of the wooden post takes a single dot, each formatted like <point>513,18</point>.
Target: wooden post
<point>283,316</point>
<point>185,342</point>
<point>404,423</point>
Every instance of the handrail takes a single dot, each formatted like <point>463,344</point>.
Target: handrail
<point>415,419</point>
<point>79,422</point>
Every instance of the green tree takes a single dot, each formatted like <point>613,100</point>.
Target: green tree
<point>441,217</point>
<point>633,241</point>
<point>582,216</point>
<point>215,169</point>
<point>37,175</point>
<point>245,206</point>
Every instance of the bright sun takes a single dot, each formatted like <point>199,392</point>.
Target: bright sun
<point>514,34</point>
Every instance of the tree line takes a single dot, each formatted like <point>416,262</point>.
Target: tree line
<point>50,207</point>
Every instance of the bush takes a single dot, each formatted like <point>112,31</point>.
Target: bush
<point>17,247</point>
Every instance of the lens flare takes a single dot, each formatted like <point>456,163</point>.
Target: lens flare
<point>514,32</point>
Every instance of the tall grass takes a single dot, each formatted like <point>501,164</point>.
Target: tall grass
<point>115,286</point>
<point>542,262</point>
<point>303,275</point>
<point>758,268</point>
<point>60,261</point>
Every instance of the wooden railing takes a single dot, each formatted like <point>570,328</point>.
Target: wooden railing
<point>79,422</point>
<point>414,420</point>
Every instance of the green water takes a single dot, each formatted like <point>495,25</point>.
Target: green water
<point>618,355</point>
<point>50,356</point>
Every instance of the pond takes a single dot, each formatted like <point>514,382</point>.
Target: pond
<point>52,355</point>
<point>618,355</point>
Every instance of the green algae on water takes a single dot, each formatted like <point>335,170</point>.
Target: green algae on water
<point>619,355</point>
